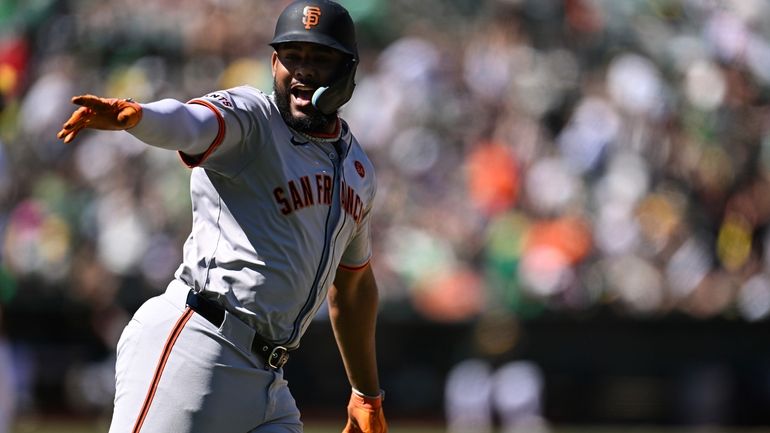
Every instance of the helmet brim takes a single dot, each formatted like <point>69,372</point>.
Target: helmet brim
<point>313,38</point>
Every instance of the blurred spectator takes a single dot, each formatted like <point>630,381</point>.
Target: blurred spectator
<point>7,383</point>
<point>8,367</point>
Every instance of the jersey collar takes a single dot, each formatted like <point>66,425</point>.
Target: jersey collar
<point>322,137</point>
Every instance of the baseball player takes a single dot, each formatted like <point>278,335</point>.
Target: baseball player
<point>281,198</point>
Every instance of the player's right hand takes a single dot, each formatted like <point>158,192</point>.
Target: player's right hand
<point>365,415</point>
<point>100,113</point>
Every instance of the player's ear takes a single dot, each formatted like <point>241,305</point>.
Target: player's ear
<point>274,61</point>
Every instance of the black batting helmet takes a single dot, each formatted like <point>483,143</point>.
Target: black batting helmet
<point>318,21</point>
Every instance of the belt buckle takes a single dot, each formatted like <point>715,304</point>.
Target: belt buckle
<point>278,357</point>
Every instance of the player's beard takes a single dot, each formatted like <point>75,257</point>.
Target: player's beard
<point>310,123</point>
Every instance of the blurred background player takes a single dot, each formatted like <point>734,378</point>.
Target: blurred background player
<point>7,381</point>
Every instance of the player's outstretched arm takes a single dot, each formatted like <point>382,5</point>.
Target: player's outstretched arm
<point>100,113</point>
<point>353,301</point>
<point>168,123</point>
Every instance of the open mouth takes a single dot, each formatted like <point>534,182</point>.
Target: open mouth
<point>302,95</point>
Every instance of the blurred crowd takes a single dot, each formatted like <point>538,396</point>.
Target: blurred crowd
<point>533,156</point>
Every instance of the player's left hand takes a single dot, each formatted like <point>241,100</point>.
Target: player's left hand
<point>365,415</point>
<point>100,113</point>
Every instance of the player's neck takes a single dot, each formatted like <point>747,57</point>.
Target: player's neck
<point>332,130</point>
<point>322,137</point>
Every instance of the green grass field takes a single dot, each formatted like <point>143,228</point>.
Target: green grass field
<point>37,426</point>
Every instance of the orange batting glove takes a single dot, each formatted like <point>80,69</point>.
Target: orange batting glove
<point>100,113</point>
<point>365,415</point>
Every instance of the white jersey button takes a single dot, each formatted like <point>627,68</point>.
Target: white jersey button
<point>332,155</point>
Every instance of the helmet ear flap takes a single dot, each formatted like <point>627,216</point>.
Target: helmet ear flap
<point>329,99</point>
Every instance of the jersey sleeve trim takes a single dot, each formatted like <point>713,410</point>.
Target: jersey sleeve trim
<point>354,268</point>
<point>192,161</point>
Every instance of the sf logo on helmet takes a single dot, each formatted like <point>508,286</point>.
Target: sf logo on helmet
<point>310,16</point>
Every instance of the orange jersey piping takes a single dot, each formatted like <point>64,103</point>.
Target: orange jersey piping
<point>196,160</point>
<point>354,268</point>
<point>175,331</point>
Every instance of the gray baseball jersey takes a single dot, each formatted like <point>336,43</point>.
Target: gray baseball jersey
<point>275,212</point>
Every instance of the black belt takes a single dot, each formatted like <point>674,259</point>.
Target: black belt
<point>274,356</point>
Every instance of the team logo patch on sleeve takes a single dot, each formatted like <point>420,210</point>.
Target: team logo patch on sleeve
<point>360,169</point>
<point>221,98</point>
